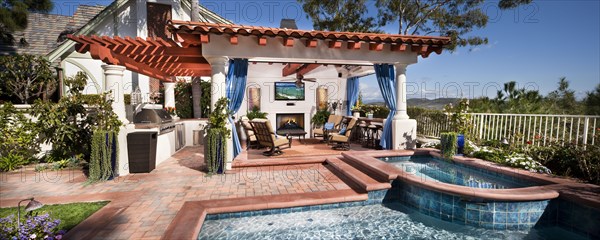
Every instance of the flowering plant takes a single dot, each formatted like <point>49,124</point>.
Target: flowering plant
<point>34,227</point>
<point>523,161</point>
<point>170,110</point>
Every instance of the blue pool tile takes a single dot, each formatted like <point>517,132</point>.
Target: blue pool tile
<point>315,207</point>
<point>224,215</point>
<point>265,212</point>
<point>499,226</point>
<point>524,217</point>
<point>447,209</point>
<point>499,217</point>
<point>473,215</point>
<point>534,216</point>
<point>525,226</point>
<point>435,206</point>
<point>297,209</point>
<point>513,207</point>
<point>459,213</point>
<point>487,216</point>
<point>512,226</point>
<point>246,214</point>
<point>512,217</point>
<point>459,221</point>
<point>435,214</point>
<point>487,207</point>
<point>487,225</point>
<point>211,217</point>
<point>446,198</point>
<point>500,206</point>
<point>236,215</point>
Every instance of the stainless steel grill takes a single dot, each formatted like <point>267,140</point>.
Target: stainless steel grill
<point>158,117</point>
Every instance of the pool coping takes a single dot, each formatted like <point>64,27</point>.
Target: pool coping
<point>554,186</point>
<point>188,221</point>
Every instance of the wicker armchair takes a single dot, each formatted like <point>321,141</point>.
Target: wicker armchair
<point>266,137</point>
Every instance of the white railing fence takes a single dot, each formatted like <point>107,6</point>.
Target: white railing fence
<point>535,129</point>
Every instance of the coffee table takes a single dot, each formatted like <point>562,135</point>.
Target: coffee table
<point>289,133</point>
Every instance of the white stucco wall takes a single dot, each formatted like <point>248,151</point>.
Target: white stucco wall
<point>264,76</point>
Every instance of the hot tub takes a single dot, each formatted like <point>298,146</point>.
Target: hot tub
<point>467,194</point>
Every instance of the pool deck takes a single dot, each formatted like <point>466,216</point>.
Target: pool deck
<point>153,205</point>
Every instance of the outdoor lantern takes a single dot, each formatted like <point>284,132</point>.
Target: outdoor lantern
<point>136,97</point>
<point>32,205</point>
<point>504,141</point>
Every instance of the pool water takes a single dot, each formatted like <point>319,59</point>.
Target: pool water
<point>389,221</point>
<point>435,169</point>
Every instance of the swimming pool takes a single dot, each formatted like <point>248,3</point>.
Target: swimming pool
<point>377,221</point>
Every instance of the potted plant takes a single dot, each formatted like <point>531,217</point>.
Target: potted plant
<point>370,114</point>
<point>320,117</point>
<point>256,113</point>
<point>217,133</point>
<point>459,120</point>
<point>449,144</point>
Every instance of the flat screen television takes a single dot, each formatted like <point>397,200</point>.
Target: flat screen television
<point>289,91</point>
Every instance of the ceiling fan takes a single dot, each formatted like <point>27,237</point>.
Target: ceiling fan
<point>299,80</point>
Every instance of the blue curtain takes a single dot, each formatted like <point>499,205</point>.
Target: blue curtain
<point>351,93</point>
<point>235,88</point>
<point>386,80</point>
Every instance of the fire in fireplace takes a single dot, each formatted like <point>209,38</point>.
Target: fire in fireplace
<point>290,121</point>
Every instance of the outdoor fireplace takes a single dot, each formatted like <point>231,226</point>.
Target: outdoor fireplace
<point>288,121</point>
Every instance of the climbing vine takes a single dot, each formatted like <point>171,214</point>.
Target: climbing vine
<point>216,137</point>
<point>104,148</point>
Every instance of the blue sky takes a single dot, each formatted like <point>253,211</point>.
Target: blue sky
<point>533,45</point>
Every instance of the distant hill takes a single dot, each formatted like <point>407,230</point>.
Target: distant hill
<point>437,104</point>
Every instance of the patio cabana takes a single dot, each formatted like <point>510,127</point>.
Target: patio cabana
<point>205,49</point>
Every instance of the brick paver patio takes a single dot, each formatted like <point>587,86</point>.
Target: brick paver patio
<point>145,204</point>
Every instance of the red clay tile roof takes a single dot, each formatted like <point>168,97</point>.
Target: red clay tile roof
<point>202,28</point>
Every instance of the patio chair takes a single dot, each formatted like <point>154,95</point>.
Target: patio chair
<point>251,140</point>
<point>342,138</point>
<point>266,137</point>
<point>321,131</point>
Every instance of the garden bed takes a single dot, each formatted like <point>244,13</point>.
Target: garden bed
<point>69,215</point>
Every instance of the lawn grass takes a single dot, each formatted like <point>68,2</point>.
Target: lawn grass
<point>69,214</point>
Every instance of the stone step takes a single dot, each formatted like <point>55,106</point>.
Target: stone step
<point>379,170</point>
<point>360,180</point>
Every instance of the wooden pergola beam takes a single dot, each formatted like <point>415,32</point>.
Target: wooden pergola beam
<point>290,69</point>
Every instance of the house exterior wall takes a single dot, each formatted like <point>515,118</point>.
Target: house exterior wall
<point>128,20</point>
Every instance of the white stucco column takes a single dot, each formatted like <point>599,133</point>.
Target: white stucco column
<point>404,130</point>
<point>218,66</point>
<point>400,92</point>
<point>219,73</point>
<point>169,94</point>
<point>113,82</point>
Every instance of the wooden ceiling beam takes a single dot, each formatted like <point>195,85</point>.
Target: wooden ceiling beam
<point>290,69</point>
<point>307,68</point>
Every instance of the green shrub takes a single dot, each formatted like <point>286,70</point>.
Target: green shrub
<point>379,111</point>
<point>569,160</point>
<point>127,99</point>
<point>183,100</point>
<point>256,113</point>
<point>91,99</point>
<point>11,161</point>
<point>320,117</point>
<point>449,143</point>
<point>19,136</point>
